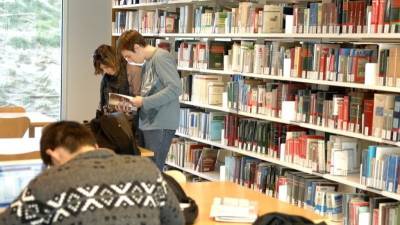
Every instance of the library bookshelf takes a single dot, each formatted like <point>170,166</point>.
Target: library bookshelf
<point>361,38</point>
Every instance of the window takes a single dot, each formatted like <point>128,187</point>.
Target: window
<point>30,55</point>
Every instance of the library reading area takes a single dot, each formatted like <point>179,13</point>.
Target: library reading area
<point>159,112</point>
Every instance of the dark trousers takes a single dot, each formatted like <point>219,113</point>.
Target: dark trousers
<point>159,142</point>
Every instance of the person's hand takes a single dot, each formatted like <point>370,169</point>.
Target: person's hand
<point>137,101</point>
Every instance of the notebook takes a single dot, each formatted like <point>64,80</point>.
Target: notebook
<point>234,210</point>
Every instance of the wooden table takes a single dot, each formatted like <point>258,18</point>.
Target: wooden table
<point>204,192</point>
<point>29,148</point>
<point>36,120</point>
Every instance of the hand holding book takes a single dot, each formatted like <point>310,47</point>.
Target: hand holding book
<point>121,103</point>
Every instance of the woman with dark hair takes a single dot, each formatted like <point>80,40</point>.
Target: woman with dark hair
<point>114,71</point>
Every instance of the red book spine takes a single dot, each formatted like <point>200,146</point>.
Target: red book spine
<point>374,15</point>
<point>235,130</point>
<point>351,18</point>
<point>296,149</point>
<point>375,217</point>
<point>381,15</point>
<point>291,149</point>
<point>322,64</point>
<point>345,109</point>
<point>368,115</point>
<point>340,115</point>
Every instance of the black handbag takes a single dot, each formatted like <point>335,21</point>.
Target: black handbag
<point>276,218</point>
<point>114,131</point>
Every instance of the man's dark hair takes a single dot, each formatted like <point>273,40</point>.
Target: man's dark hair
<point>68,134</point>
<point>128,39</point>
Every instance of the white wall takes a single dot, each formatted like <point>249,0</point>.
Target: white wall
<point>86,25</point>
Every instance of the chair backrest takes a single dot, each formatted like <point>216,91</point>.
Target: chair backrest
<point>12,108</point>
<point>13,127</point>
<point>22,156</point>
<point>177,175</point>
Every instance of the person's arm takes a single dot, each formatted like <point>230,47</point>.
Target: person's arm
<point>102,98</point>
<point>168,75</point>
<point>171,213</point>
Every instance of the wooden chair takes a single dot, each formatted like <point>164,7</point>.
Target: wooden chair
<point>177,175</point>
<point>12,109</point>
<point>13,127</point>
<point>22,156</point>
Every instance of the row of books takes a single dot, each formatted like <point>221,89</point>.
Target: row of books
<point>360,209</point>
<point>205,125</point>
<point>372,114</point>
<point>133,2</point>
<point>341,16</point>
<point>335,16</point>
<point>331,62</point>
<point>306,191</point>
<point>147,22</point>
<point>300,189</point>
<point>336,155</point>
<point>296,188</point>
<point>196,156</point>
<point>381,168</point>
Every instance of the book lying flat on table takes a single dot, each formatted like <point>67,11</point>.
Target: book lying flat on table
<point>121,102</point>
<point>234,210</point>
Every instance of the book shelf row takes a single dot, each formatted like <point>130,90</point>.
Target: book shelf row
<point>294,79</point>
<point>300,124</point>
<point>379,16</point>
<point>351,180</point>
<point>366,38</point>
<point>135,4</point>
<point>342,63</point>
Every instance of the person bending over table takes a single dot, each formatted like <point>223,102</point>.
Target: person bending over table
<point>87,185</point>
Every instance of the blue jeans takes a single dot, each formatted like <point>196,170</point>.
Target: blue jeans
<point>159,142</point>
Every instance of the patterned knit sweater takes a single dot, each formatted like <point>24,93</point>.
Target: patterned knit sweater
<point>97,187</point>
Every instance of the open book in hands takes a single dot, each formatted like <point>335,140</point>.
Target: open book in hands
<point>121,103</point>
<point>234,210</point>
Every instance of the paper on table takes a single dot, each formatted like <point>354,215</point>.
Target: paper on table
<point>234,210</point>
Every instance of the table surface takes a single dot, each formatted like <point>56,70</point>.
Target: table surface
<point>28,148</point>
<point>37,119</point>
<point>204,192</point>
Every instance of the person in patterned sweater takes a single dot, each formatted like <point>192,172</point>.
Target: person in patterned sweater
<point>86,185</point>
